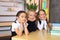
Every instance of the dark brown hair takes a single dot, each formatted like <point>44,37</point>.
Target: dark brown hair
<point>19,12</point>
<point>41,10</point>
<point>48,23</point>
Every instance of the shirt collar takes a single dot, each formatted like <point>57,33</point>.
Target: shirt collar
<point>17,22</point>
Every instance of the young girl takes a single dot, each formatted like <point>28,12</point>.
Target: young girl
<point>42,22</point>
<point>20,24</point>
<point>31,21</point>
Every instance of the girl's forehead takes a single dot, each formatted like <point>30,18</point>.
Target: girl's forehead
<point>41,12</point>
<point>22,14</point>
<point>31,12</point>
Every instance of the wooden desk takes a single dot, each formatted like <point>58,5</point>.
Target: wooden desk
<point>37,35</point>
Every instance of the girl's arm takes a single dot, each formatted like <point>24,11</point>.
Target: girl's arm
<point>19,30</point>
<point>25,29</point>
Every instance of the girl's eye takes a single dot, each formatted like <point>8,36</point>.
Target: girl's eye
<point>32,15</point>
<point>42,14</point>
<point>23,17</point>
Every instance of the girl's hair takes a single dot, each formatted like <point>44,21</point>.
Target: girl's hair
<point>31,11</point>
<point>19,12</point>
<point>41,10</point>
<point>48,23</point>
<point>44,13</point>
<point>38,14</point>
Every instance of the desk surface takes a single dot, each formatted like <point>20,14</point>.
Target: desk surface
<point>37,35</point>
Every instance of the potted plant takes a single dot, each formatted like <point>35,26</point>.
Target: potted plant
<point>31,6</point>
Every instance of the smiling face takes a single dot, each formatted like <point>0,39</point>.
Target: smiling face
<point>22,17</point>
<point>42,15</point>
<point>32,16</point>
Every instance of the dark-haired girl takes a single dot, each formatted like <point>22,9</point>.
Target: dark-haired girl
<point>20,24</point>
<point>42,23</point>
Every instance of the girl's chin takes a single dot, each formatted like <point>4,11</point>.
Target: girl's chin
<point>32,20</point>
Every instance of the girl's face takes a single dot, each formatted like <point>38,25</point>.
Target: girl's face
<point>42,15</point>
<point>22,17</point>
<point>31,15</point>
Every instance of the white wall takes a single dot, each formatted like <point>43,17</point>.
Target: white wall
<point>5,6</point>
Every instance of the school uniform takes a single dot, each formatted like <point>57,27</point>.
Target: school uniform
<point>15,24</point>
<point>31,26</point>
<point>42,24</point>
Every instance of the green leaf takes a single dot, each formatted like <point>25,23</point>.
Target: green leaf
<point>31,6</point>
<point>30,0</point>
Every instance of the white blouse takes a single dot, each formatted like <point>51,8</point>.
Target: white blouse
<point>15,25</point>
<point>43,24</point>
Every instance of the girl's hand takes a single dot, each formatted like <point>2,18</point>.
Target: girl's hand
<point>25,23</point>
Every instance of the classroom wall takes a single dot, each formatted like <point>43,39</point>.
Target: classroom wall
<point>55,11</point>
<point>9,8</point>
<point>9,11</point>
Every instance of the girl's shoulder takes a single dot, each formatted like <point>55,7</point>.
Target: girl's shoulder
<point>15,23</point>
